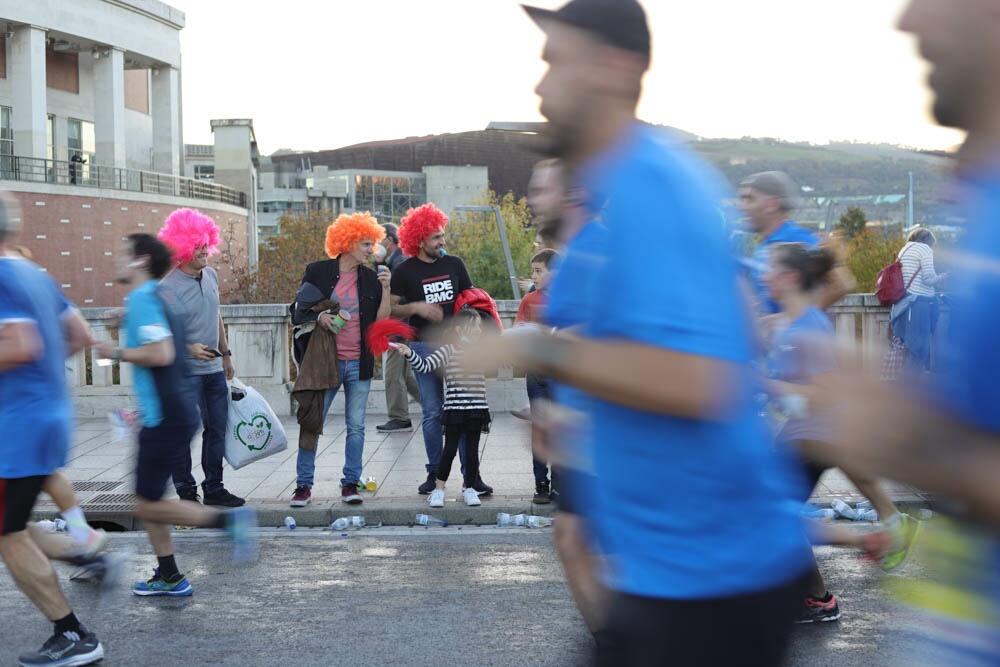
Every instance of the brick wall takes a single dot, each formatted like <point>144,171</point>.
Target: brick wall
<point>75,237</point>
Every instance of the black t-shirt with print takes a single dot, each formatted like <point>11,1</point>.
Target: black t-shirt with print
<point>437,282</point>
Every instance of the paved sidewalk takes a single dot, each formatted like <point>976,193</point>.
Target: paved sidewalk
<point>101,472</point>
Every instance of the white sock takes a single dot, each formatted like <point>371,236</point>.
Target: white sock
<point>76,523</point>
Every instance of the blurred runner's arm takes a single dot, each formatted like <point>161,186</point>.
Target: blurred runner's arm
<point>77,331</point>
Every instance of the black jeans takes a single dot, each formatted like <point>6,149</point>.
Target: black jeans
<point>453,433</point>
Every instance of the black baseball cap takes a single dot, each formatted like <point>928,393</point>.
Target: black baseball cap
<point>620,23</point>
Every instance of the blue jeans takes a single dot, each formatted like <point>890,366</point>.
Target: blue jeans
<point>213,403</point>
<point>356,404</point>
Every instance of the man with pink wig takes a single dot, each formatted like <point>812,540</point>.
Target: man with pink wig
<point>192,237</point>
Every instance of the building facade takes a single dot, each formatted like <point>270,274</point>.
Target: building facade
<point>90,139</point>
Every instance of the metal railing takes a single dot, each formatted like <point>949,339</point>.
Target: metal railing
<point>40,170</point>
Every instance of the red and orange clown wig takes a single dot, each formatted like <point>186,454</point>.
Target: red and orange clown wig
<point>350,229</point>
<point>418,224</point>
<point>187,229</point>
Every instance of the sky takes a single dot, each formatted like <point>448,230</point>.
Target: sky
<point>322,74</point>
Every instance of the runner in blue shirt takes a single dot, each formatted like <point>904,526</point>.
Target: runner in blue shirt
<point>947,441</point>
<point>662,357</point>
<point>768,200</point>
<point>155,344</point>
<point>38,330</point>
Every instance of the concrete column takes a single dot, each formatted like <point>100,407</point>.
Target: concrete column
<point>27,73</point>
<point>109,108</point>
<point>166,110</point>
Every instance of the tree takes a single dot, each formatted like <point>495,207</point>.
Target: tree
<point>853,221</point>
<point>282,260</point>
<point>474,237</point>
<point>869,252</point>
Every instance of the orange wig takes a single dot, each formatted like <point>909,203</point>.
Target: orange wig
<point>418,224</point>
<point>350,229</point>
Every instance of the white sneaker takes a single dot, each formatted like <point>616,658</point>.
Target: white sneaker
<point>471,497</point>
<point>437,498</point>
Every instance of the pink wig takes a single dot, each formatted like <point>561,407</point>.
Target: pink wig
<point>418,224</point>
<point>350,229</point>
<point>187,229</point>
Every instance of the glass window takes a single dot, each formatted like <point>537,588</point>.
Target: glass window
<point>50,138</point>
<point>6,132</point>
<point>80,138</point>
<point>204,172</point>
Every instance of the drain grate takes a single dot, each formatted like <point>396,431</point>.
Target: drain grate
<point>111,502</point>
<point>96,486</point>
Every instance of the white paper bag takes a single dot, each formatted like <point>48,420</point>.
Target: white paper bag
<point>253,431</point>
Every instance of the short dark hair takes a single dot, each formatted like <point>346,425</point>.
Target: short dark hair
<point>544,257</point>
<point>160,259</point>
<point>922,235</point>
<point>391,232</point>
<point>813,264</point>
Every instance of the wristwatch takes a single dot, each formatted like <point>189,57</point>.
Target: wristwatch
<point>227,353</point>
<point>116,353</point>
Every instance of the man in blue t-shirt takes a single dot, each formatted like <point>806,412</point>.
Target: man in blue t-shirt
<point>39,328</point>
<point>768,200</point>
<point>154,342</point>
<point>947,440</point>
<point>662,359</point>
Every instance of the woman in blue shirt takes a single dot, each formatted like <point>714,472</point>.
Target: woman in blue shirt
<point>800,370</point>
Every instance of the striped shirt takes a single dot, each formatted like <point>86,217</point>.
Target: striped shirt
<point>918,258</point>
<point>463,390</point>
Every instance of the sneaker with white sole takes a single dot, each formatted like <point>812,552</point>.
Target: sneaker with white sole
<point>471,497</point>
<point>65,649</point>
<point>437,498</point>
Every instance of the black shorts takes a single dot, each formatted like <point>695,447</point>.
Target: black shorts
<point>751,630</point>
<point>161,454</point>
<point>17,497</point>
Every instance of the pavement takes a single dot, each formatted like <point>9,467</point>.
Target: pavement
<point>101,470</point>
<point>483,596</point>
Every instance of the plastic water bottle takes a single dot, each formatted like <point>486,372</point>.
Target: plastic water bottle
<point>504,519</point>
<point>867,515</point>
<point>537,521</point>
<point>290,522</point>
<point>345,522</point>
<point>530,521</point>
<point>843,510</point>
<point>823,514</point>
<point>863,505</point>
<point>428,520</point>
<point>49,526</point>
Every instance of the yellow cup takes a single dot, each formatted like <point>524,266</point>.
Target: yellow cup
<point>370,484</point>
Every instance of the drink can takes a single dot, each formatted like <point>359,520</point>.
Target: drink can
<point>370,484</point>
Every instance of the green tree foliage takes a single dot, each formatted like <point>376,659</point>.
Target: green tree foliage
<point>869,252</point>
<point>282,260</point>
<point>474,237</point>
<point>853,221</point>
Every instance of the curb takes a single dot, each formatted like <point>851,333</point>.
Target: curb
<point>402,512</point>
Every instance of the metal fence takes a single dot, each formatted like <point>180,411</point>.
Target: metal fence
<point>40,170</point>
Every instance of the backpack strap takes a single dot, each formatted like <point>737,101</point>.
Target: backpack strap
<point>899,258</point>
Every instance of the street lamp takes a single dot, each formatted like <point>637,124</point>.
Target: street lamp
<point>503,242</point>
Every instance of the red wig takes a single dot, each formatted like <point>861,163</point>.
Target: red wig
<point>187,229</point>
<point>383,331</point>
<point>418,224</point>
<point>348,230</point>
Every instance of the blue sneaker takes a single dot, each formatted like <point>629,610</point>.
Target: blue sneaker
<point>242,531</point>
<point>158,586</point>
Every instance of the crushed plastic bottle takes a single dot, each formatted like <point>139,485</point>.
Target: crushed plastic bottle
<point>867,515</point>
<point>528,520</point>
<point>345,522</point>
<point>428,520</point>
<point>843,510</point>
<point>823,514</point>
